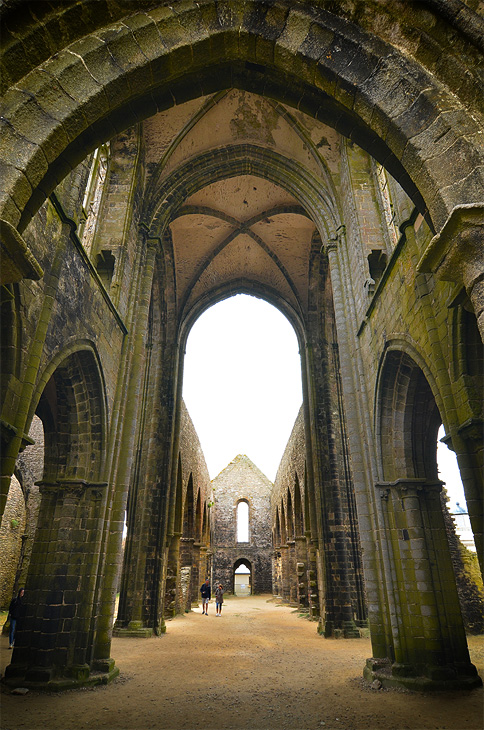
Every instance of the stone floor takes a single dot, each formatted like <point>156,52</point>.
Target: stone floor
<point>259,667</point>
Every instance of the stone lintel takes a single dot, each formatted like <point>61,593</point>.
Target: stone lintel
<point>18,261</point>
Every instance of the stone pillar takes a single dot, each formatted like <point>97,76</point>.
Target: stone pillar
<point>301,572</point>
<point>196,580</point>
<point>277,573</point>
<point>429,643</point>
<point>172,584</point>
<point>469,447</point>
<point>292,572</point>
<point>54,642</point>
<point>467,443</point>
<point>285,586</point>
<point>186,563</point>
<point>131,620</point>
<point>312,578</point>
<point>203,569</point>
<point>329,480</point>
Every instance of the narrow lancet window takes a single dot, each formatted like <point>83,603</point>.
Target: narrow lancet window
<point>242,522</point>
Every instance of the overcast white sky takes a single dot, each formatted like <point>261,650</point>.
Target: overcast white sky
<point>242,388</point>
<point>242,383</point>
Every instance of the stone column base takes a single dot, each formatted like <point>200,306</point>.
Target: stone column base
<point>134,629</point>
<point>436,679</point>
<point>42,679</point>
<point>348,630</point>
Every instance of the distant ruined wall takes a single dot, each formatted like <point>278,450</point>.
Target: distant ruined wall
<point>467,575</point>
<point>189,556</point>
<point>192,457</point>
<point>11,531</point>
<point>293,462</point>
<point>295,567</point>
<point>18,525</point>
<point>241,480</point>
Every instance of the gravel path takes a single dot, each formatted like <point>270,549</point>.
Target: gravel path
<point>258,667</point>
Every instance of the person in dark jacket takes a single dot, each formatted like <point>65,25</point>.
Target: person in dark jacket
<point>15,611</point>
<point>219,599</point>
<point>206,592</point>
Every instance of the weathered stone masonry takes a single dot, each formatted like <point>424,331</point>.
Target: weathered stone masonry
<point>158,158</point>
<point>240,481</point>
<point>298,566</point>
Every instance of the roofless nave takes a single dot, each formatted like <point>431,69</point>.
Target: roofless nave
<point>158,158</point>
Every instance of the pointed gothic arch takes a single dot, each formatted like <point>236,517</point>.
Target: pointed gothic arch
<point>411,510</point>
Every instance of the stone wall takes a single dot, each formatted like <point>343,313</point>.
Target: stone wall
<point>240,481</point>
<point>18,526</point>
<point>192,458</point>
<point>293,464</point>
<point>300,563</point>
<point>11,532</point>
<point>467,575</point>
<point>297,577</point>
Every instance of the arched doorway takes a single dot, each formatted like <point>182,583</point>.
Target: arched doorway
<point>423,589</point>
<point>242,577</point>
<point>71,407</point>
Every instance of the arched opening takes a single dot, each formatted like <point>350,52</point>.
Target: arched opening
<point>241,354</point>
<point>71,408</point>
<point>242,577</point>
<point>457,505</point>
<point>409,421</point>
<point>243,521</point>
<point>286,83</point>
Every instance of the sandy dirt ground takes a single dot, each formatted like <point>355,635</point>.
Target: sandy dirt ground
<point>258,667</point>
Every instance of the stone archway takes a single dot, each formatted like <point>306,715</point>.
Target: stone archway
<point>376,108</point>
<point>63,592</point>
<point>242,580</point>
<point>424,594</point>
<point>381,91</point>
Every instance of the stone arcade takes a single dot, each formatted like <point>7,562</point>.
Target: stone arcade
<point>159,157</point>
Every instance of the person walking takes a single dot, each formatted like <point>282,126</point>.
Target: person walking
<point>206,592</point>
<point>15,611</point>
<point>219,599</point>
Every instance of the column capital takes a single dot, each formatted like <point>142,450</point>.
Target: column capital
<point>336,238</point>
<point>72,486</point>
<point>409,487</point>
<point>471,430</point>
<point>456,254</point>
<point>458,246</point>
